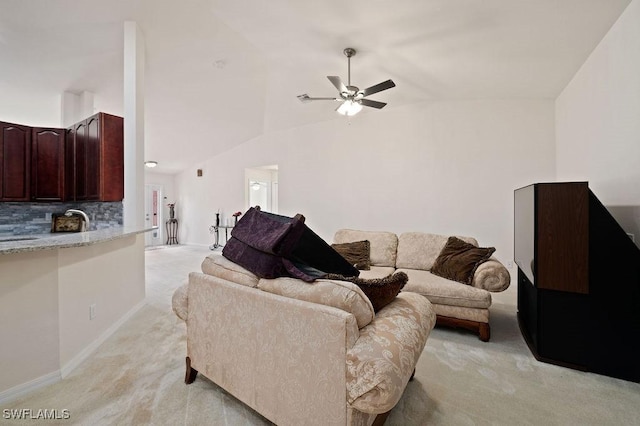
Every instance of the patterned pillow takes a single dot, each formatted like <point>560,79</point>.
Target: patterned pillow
<point>357,253</point>
<point>459,260</point>
<point>380,291</point>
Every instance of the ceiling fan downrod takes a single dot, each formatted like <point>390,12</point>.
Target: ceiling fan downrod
<point>349,52</point>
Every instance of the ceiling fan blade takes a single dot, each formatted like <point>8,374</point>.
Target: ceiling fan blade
<point>378,88</point>
<point>337,82</point>
<point>373,104</point>
<point>307,98</point>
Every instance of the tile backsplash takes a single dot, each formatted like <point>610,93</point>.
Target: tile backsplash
<point>18,218</point>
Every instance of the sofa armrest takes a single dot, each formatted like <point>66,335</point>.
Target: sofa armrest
<point>384,357</point>
<point>491,276</point>
<point>180,302</point>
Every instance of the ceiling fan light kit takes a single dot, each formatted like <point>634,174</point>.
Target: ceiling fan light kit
<point>349,108</point>
<point>352,98</point>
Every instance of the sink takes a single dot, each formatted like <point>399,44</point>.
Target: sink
<point>8,239</point>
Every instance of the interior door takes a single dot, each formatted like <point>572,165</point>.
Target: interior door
<point>153,214</point>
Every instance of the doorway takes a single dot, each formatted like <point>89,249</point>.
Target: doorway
<point>261,188</point>
<point>153,214</point>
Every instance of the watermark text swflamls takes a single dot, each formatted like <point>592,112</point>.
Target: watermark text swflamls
<point>40,414</point>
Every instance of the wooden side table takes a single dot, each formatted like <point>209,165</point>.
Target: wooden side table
<point>172,231</point>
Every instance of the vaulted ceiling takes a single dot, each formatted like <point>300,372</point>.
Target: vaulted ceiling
<point>220,72</point>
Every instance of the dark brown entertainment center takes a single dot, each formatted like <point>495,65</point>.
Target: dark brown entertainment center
<point>578,281</point>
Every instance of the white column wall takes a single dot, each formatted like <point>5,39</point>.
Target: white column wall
<point>133,203</point>
<point>75,108</point>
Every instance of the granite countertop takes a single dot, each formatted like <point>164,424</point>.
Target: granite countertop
<point>24,243</point>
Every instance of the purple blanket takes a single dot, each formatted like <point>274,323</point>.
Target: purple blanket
<point>272,246</point>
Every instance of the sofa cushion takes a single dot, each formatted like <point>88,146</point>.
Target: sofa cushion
<point>419,250</point>
<point>380,291</point>
<point>445,292</point>
<point>357,253</point>
<point>221,267</point>
<point>339,294</point>
<point>383,244</point>
<point>377,272</point>
<point>459,260</point>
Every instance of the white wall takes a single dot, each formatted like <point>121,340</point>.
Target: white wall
<point>29,326</point>
<point>29,107</point>
<point>22,106</point>
<point>44,307</point>
<point>598,116</point>
<point>110,275</point>
<point>445,167</point>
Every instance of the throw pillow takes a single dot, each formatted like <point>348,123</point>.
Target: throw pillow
<point>380,291</point>
<point>357,253</point>
<point>459,260</point>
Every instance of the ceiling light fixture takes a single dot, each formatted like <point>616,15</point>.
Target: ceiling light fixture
<point>150,164</point>
<point>349,108</point>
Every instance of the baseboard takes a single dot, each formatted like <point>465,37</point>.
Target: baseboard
<point>22,389</point>
<point>86,352</point>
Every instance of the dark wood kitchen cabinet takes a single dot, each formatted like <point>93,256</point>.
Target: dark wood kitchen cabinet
<point>15,162</point>
<point>82,163</point>
<point>48,164</point>
<point>95,159</point>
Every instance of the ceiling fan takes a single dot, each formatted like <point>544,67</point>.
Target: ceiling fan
<point>352,97</point>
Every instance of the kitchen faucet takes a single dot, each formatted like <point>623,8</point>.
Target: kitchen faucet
<point>81,213</point>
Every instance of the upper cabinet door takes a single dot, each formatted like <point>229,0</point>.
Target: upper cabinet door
<point>70,164</point>
<point>15,161</point>
<point>47,164</point>
<point>80,156</point>
<point>111,157</point>
<point>93,172</point>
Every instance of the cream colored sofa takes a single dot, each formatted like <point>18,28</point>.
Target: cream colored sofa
<point>301,353</point>
<point>456,304</point>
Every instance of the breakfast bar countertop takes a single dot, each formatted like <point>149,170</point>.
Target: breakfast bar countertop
<point>25,243</point>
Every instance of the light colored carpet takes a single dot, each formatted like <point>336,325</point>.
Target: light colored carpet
<point>136,376</point>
